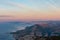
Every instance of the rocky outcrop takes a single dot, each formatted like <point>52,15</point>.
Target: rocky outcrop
<point>34,32</point>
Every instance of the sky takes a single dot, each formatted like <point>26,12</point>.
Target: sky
<point>29,10</point>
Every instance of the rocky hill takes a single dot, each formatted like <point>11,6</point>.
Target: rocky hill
<point>36,30</point>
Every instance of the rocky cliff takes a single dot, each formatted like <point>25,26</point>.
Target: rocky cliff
<point>32,32</point>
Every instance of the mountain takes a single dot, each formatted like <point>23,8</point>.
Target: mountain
<point>37,30</point>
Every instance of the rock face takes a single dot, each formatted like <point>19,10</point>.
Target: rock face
<point>34,32</point>
<point>29,33</point>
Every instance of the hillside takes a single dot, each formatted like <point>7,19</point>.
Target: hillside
<point>36,30</point>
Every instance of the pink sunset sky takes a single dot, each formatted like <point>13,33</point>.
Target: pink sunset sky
<point>29,10</point>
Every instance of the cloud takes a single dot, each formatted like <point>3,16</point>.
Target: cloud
<point>12,5</point>
<point>50,4</point>
<point>20,5</point>
<point>30,13</point>
<point>5,16</point>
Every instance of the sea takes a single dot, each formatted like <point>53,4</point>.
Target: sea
<point>7,27</point>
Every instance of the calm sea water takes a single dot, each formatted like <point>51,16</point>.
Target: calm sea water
<point>7,27</point>
<point>6,37</point>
